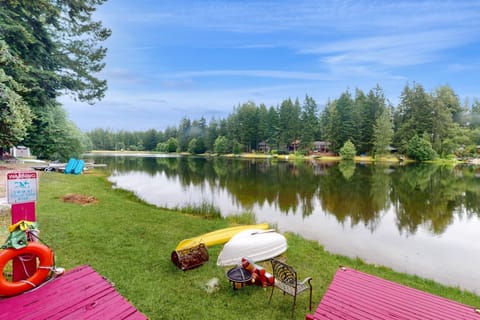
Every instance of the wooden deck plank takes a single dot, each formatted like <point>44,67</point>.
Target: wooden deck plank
<point>72,297</point>
<point>411,299</point>
<point>81,293</point>
<point>106,307</point>
<point>354,295</point>
<point>396,304</point>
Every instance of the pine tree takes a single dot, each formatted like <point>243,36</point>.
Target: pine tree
<point>382,133</point>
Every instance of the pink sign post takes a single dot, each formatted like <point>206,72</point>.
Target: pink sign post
<point>21,194</point>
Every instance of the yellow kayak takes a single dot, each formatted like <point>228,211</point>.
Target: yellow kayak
<point>218,236</point>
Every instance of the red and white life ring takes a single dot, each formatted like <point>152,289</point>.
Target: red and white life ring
<point>45,257</point>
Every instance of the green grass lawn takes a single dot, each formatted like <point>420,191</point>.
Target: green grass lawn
<point>130,242</point>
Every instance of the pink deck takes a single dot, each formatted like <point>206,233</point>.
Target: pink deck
<point>357,295</point>
<point>80,293</point>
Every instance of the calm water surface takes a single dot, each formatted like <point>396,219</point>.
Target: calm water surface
<point>419,219</point>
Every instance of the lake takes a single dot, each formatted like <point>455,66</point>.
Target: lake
<point>420,219</point>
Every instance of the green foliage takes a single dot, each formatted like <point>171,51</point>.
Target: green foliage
<point>171,145</point>
<point>48,48</point>
<point>382,133</point>
<point>414,115</point>
<point>289,124</point>
<point>348,152</point>
<point>237,147</point>
<point>246,125</point>
<point>420,149</point>
<point>161,147</point>
<point>221,145</point>
<point>328,125</point>
<point>189,130</point>
<point>422,113</point>
<point>15,116</point>
<point>310,124</point>
<point>370,108</point>
<point>53,136</point>
<point>150,139</point>
<point>211,134</point>
<point>193,146</point>
<point>346,117</point>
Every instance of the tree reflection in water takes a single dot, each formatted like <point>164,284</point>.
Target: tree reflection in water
<point>424,195</point>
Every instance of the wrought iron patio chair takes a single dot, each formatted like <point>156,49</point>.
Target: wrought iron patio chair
<point>286,280</point>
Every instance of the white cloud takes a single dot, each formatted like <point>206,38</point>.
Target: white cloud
<point>307,15</point>
<point>278,74</point>
<point>391,50</point>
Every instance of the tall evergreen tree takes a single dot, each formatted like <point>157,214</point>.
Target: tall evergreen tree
<point>15,116</point>
<point>450,101</point>
<point>273,129</point>
<point>330,124</point>
<point>150,139</point>
<point>289,122</point>
<point>372,106</point>
<point>382,133</point>
<point>445,107</point>
<point>262,127</point>
<point>310,123</point>
<point>474,115</point>
<point>247,124</point>
<point>211,134</point>
<point>414,115</point>
<point>346,118</point>
<point>183,134</point>
<point>198,132</point>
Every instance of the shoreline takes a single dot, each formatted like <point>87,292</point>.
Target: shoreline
<point>390,159</point>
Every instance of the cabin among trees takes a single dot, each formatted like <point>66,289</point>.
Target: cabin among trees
<point>263,147</point>
<point>294,146</point>
<point>321,147</point>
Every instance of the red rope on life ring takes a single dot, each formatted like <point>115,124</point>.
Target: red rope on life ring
<point>45,256</point>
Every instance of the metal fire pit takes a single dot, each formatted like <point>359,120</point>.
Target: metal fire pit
<point>239,277</point>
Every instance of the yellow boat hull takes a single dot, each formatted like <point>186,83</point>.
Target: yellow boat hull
<point>218,236</point>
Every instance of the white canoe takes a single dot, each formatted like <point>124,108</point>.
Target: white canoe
<point>258,245</point>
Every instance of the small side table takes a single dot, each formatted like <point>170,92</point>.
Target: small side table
<point>239,277</point>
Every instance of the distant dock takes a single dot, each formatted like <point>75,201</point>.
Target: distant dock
<point>60,167</point>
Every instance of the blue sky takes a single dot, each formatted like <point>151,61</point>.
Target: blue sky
<point>173,59</point>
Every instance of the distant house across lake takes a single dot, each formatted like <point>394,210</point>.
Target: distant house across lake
<point>295,145</point>
<point>321,146</point>
<point>263,147</point>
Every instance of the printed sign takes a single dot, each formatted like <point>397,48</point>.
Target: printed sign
<point>22,187</point>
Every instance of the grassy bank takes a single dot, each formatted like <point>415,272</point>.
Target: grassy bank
<point>130,242</point>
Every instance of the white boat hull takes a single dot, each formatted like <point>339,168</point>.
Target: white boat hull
<point>258,245</point>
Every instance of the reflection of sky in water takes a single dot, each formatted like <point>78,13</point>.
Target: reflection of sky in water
<point>451,258</point>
